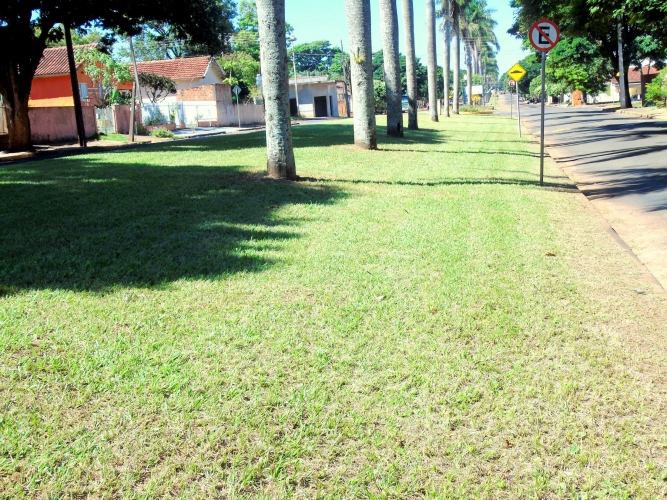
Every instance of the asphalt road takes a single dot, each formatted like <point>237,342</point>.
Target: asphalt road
<point>620,163</point>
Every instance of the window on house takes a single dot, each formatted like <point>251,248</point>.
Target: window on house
<point>83,91</point>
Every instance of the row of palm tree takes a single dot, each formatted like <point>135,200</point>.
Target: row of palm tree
<point>467,20</point>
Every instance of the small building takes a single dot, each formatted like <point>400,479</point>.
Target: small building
<point>187,72</point>
<point>318,97</point>
<point>638,79</point>
<point>52,86</point>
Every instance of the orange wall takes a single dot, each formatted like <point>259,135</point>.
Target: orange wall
<point>49,87</point>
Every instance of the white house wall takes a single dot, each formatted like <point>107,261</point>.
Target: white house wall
<point>309,91</point>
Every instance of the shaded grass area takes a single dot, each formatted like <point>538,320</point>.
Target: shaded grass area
<point>420,321</point>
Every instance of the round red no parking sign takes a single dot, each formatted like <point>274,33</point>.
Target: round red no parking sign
<point>544,35</point>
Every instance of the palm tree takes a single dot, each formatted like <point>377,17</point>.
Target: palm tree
<point>274,61</point>
<point>361,62</point>
<point>410,63</point>
<point>456,44</point>
<point>480,38</point>
<point>392,69</point>
<point>446,27</point>
<point>432,60</point>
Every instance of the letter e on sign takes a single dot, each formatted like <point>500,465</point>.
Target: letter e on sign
<point>544,35</point>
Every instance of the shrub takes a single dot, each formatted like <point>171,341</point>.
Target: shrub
<point>657,90</point>
<point>162,132</point>
<point>474,109</point>
<point>141,129</point>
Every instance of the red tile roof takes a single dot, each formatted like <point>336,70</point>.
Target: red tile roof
<point>54,61</point>
<point>189,68</point>
<point>635,76</point>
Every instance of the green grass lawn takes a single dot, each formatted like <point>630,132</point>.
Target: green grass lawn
<point>419,321</point>
<point>113,137</point>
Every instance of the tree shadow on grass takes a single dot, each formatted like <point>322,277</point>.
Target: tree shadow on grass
<point>458,181</point>
<point>79,224</point>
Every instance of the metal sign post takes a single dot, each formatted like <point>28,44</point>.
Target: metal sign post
<point>544,36</point>
<point>518,110</point>
<point>237,90</point>
<point>516,73</point>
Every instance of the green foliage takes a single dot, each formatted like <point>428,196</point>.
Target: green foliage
<point>552,88</point>
<point>83,36</point>
<point>315,57</point>
<point>533,66</point>
<point>162,132</point>
<point>421,70</point>
<point>241,69</point>
<point>380,96</point>
<point>576,63</point>
<point>656,91</point>
<point>105,73</point>
<point>246,37</point>
<point>157,87</point>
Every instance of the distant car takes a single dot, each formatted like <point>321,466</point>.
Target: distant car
<point>405,103</point>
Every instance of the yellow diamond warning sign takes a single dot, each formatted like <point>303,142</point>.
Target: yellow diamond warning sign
<point>517,72</point>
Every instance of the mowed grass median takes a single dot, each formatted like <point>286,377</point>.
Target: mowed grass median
<point>420,321</point>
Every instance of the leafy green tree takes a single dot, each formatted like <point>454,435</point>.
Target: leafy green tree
<point>533,66</point>
<point>380,96</point>
<point>656,91</point>
<point>420,70</point>
<point>104,72</point>
<point>246,37</point>
<point>317,56</point>
<point>577,64</point>
<point>241,69</point>
<point>157,87</point>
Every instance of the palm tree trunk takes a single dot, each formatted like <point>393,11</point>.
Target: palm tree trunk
<point>448,42</point>
<point>469,71</point>
<point>392,68</point>
<point>274,61</point>
<point>410,63</point>
<point>456,43</point>
<point>432,60</point>
<point>361,61</point>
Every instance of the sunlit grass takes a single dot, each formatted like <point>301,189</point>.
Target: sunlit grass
<point>420,321</point>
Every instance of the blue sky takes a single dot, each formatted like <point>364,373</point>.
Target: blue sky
<point>325,20</point>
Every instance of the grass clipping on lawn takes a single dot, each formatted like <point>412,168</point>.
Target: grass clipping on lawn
<point>423,320</point>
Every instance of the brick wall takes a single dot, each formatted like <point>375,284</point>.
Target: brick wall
<point>219,92</point>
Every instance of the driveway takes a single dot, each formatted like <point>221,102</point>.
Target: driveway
<point>620,163</point>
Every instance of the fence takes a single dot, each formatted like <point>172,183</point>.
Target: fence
<point>105,121</point>
<point>3,121</point>
<point>204,113</point>
<point>189,114</point>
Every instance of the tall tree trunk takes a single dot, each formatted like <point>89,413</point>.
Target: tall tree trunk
<point>18,119</point>
<point>447,34</point>
<point>410,62</point>
<point>274,61</point>
<point>392,68</point>
<point>456,47</point>
<point>361,61</point>
<point>469,71</point>
<point>432,60</point>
